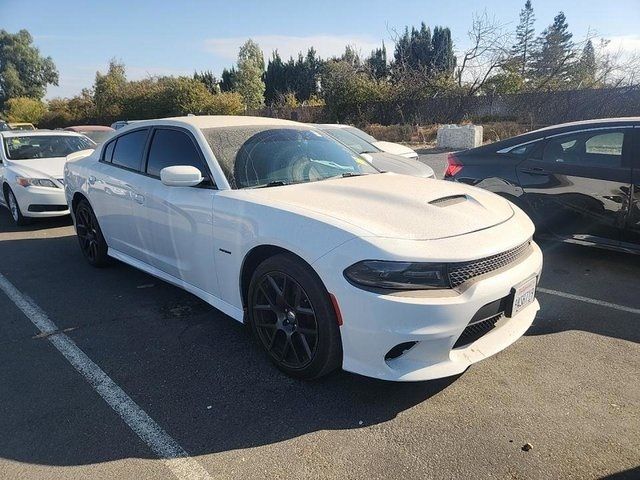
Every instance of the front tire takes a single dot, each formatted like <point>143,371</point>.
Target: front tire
<point>92,242</point>
<point>14,209</point>
<point>293,319</point>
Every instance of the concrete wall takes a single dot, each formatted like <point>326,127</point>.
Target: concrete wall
<point>459,137</point>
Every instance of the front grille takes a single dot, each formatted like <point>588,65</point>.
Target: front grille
<point>476,330</point>
<point>464,271</point>
<point>47,208</point>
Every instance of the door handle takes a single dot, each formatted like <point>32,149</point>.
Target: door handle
<point>92,179</point>
<point>535,171</point>
<point>138,198</point>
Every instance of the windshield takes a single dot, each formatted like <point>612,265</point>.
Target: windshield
<point>44,146</point>
<point>98,136</point>
<point>268,156</point>
<point>355,143</point>
<point>360,134</point>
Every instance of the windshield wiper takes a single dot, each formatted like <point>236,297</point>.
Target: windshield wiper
<point>277,183</point>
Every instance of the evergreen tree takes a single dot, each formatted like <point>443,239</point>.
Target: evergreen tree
<point>274,78</point>
<point>443,60</point>
<point>209,80</point>
<point>109,90</point>
<point>553,61</point>
<point>249,81</point>
<point>351,57</point>
<point>377,63</point>
<point>421,49</point>
<point>521,51</point>
<point>229,79</point>
<point>586,67</point>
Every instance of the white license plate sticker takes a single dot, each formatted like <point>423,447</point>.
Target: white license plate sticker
<point>524,295</point>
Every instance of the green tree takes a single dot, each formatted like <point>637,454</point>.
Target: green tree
<point>351,56</point>
<point>586,67</point>
<point>225,103</point>
<point>108,89</point>
<point>443,61</point>
<point>521,51</point>
<point>552,64</point>
<point>24,109</point>
<point>414,51</point>
<point>250,70</point>
<point>23,71</point>
<point>377,63</point>
<point>229,80</point>
<point>209,80</point>
<point>275,78</point>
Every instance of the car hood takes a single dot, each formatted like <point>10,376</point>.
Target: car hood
<point>397,164</point>
<point>394,148</point>
<point>394,206</point>
<point>40,167</point>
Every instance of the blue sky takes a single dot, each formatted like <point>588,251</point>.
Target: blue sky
<point>177,37</point>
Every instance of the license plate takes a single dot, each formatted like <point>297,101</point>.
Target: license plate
<point>524,295</point>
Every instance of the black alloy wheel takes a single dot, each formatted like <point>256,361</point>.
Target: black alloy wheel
<point>92,243</point>
<point>293,318</point>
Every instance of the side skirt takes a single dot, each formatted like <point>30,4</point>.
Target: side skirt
<point>234,312</point>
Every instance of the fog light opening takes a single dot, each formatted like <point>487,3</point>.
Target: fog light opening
<point>399,350</point>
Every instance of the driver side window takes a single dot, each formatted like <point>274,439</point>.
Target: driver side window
<point>172,147</point>
<point>599,148</point>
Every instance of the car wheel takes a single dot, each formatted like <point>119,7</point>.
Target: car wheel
<point>293,318</point>
<point>14,209</point>
<point>92,242</point>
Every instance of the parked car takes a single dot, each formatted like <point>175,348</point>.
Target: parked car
<point>4,126</point>
<point>381,160</point>
<point>122,123</point>
<point>389,147</point>
<point>329,261</point>
<point>31,171</point>
<point>97,133</point>
<point>21,126</point>
<point>578,181</point>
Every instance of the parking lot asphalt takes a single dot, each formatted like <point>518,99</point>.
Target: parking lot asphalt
<point>569,387</point>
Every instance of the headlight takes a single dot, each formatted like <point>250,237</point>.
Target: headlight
<point>398,275</point>
<point>35,182</point>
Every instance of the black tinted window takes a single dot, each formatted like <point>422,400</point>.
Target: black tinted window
<point>108,152</point>
<point>599,148</point>
<point>129,148</point>
<point>171,147</point>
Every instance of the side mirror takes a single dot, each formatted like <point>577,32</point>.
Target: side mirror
<point>181,176</point>
<point>367,157</point>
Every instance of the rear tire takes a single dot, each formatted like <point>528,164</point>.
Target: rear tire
<point>92,242</point>
<point>293,319</point>
<point>14,210</point>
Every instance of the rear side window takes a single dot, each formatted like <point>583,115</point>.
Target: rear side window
<point>172,147</point>
<point>128,150</point>
<point>596,148</point>
<point>108,152</point>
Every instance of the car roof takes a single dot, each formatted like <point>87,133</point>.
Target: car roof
<point>89,128</point>
<point>37,133</point>
<point>215,121</point>
<point>589,123</point>
<point>333,125</point>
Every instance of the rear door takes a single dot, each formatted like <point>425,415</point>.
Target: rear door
<point>578,184</point>
<point>176,226</point>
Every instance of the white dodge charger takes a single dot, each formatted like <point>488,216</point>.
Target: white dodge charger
<point>329,261</point>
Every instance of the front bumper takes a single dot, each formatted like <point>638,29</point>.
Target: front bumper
<point>39,202</point>
<point>374,323</point>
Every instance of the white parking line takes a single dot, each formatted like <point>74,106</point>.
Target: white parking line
<point>589,300</point>
<point>159,441</point>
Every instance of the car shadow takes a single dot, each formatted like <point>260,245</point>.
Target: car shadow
<point>7,224</point>
<point>596,274</point>
<point>198,373</point>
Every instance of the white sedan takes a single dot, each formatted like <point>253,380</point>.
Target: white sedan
<point>389,147</point>
<point>31,168</point>
<point>329,262</point>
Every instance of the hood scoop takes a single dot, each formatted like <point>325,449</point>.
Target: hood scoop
<point>449,200</point>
